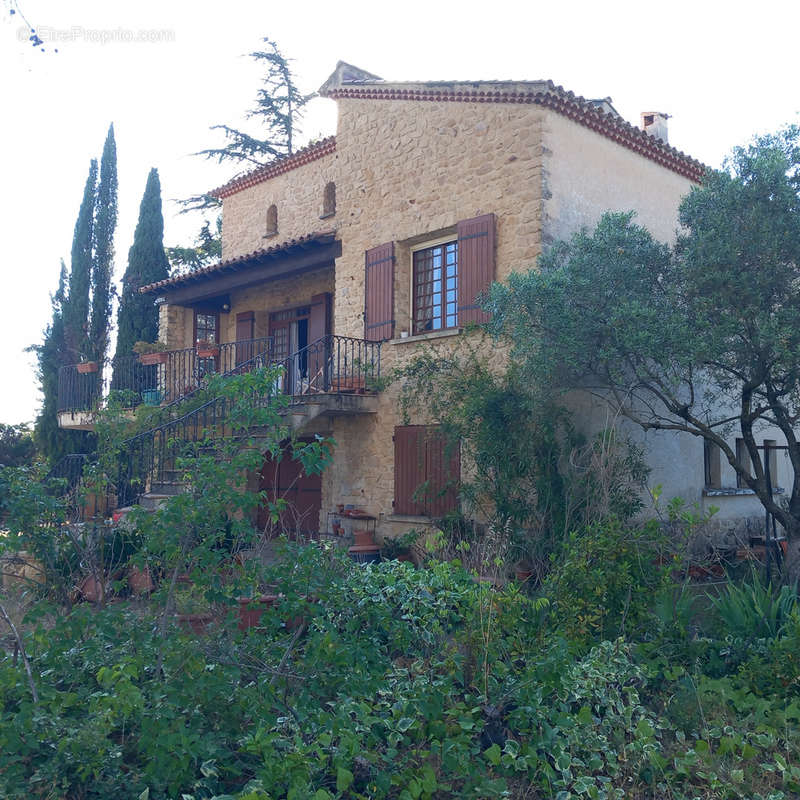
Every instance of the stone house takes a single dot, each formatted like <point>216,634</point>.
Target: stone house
<point>377,242</point>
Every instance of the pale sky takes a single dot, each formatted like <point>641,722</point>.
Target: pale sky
<point>165,71</point>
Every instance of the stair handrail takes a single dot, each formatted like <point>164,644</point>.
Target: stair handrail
<point>337,353</point>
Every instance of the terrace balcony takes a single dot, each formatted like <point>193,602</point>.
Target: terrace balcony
<point>333,375</point>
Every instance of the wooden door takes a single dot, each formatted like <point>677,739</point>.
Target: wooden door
<point>285,479</point>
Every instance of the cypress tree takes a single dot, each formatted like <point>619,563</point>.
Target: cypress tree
<point>137,318</point>
<point>105,223</point>
<point>53,353</point>
<point>75,310</point>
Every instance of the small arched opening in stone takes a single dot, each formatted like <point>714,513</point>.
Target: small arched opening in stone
<point>272,220</point>
<point>329,200</point>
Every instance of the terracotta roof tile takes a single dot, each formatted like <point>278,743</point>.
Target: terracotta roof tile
<point>232,264</point>
<point>544,93</point>
<point>304,156</point>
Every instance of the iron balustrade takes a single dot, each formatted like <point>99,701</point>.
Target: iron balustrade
<point>169,377</point>
<point>78,391</point>
<point>332,364</point>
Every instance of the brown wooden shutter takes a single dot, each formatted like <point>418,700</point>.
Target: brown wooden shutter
<point>319,348</point>
<point>379,293</point>
<point>475,266</point>
<point>426,472</point>
<point>245,323</point>
<point>319,317</point>
<point>409,468</point>
<point>443,473</point>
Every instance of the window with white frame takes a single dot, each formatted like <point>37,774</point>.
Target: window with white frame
<point>435,287</point>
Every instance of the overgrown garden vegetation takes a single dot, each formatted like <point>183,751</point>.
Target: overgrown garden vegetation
<point>295,673</point>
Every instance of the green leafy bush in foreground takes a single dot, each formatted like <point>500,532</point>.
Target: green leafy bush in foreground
<point>381,682</point>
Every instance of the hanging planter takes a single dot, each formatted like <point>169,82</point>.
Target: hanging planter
<point>87,367</point>
<point>207,350</point>
<point>150,359</point>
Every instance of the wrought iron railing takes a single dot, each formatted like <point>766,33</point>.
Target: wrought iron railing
<point>332,364</point>
<point>157,378</point>
<point>78,390</point>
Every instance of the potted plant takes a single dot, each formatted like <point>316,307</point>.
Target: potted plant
<point>206,349</point>
<point>251,609</point>
<point>400,547</point>
<point>140,581</point>
<point>151,353</point>
<point>88,367</point>
<point>193,612</point>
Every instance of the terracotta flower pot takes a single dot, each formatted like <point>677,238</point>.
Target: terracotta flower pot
<point>207,350</point>
<point>197,623</point>
<point>90,589</point>
<point>149,359</point>
<point>523,573</point>
<point>251,609</point>
<point>87,367</point>
<point>140,581</point>
<point>363,538</point>
<point>350,383</point>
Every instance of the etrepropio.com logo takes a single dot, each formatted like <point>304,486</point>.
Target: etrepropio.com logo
<point>77,33</point>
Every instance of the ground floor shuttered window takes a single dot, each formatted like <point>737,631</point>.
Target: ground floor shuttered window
<point>427,471</point>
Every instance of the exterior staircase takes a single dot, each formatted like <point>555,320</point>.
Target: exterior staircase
<point>331,377</point>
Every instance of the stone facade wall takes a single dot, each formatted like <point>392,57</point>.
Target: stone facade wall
<point>586,174</point>
<point>274,296</point>
<point>176,323</point>
<point>298,196</point>
<point>408,172</point>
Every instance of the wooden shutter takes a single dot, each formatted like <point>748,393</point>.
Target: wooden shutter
<point>443,473</point>
<point>319,347</point>
<point>475,266</point>
<point>409,468</point>
<point>379,293</point>
<point>426,472</point>
<point>245,323</point>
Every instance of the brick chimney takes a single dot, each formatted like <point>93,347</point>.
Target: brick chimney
<point>655,123</point>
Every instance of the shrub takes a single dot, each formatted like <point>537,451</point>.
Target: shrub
<point>604,578</point>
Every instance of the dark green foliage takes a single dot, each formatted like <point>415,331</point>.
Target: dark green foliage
<point>206,250</point>
<point>76,309</point>
<point>137,319</point>
<point>51,355</point>
<point>604,579</point>
<point>105,223</point>
<point>703,338</point>
<point>754,610</point>
<point>279,106</point>
<point>527,470</point>
<point>16,445</point>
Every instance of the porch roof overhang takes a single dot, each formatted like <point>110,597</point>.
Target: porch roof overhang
<point>292,257</point>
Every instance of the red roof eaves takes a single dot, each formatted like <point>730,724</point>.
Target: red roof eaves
<point>562,102</point>
<point>233,263</point>
<point>308,154</point>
